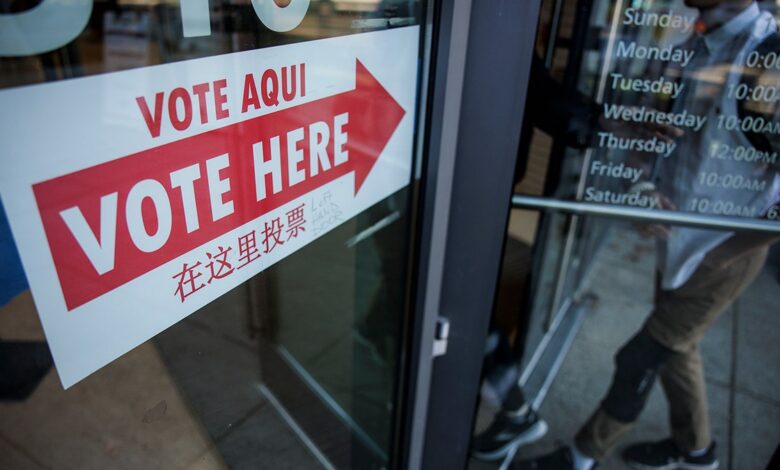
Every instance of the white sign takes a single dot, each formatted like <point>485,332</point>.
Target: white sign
<point>138,197</point>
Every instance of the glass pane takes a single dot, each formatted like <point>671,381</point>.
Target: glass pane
<point>253,318</point>
<point>650,326</point>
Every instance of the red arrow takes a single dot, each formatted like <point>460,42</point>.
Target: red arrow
<point>380,116</point>
<point>373,118</point>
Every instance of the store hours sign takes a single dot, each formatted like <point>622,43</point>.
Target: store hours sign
<point>137,197</point>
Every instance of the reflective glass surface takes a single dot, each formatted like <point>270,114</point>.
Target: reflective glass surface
<point>298,366</point>
<point>655,324</point>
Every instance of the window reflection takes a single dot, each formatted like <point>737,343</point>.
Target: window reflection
<point>663,105</point>
<point>312,344</point>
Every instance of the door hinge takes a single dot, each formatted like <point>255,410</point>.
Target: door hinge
<point>440,336</point>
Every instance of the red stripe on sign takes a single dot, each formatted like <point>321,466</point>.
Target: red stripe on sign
<point>111,223</point>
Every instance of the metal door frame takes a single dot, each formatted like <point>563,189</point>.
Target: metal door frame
<point>479,75</point>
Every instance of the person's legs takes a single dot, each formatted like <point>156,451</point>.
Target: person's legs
<point>678,322</point>
<point>516,423</point>
<point>636,367</point>
<point>668,344</point>
<point>682,379</point>
<point>500,373</point>
<point>599,434</point>
<point>510,429</point>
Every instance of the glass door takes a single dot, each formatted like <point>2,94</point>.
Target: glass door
<point>211,218</point>
<point>648,209</point>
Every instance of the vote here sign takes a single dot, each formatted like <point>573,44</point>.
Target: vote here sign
<point>137,197</point>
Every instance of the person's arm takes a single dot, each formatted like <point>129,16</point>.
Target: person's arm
<point>555,111</point>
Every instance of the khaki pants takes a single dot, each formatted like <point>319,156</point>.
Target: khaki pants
<point>678,322</point>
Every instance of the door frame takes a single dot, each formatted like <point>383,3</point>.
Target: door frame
<point>479,75</point>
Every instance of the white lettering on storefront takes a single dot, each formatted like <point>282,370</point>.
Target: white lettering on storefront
<point>54,23</point>
<point>640,17</point>
<point>630,49</point>
<point>659,85</point>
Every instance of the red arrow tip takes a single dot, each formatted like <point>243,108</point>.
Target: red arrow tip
<point>375,117</point>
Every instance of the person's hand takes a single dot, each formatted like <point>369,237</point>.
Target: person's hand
<point>655,230</point>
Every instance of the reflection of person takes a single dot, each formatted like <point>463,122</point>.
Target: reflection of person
<point>569,117</point>
<point>573,118</point>
<point>701,272</point>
